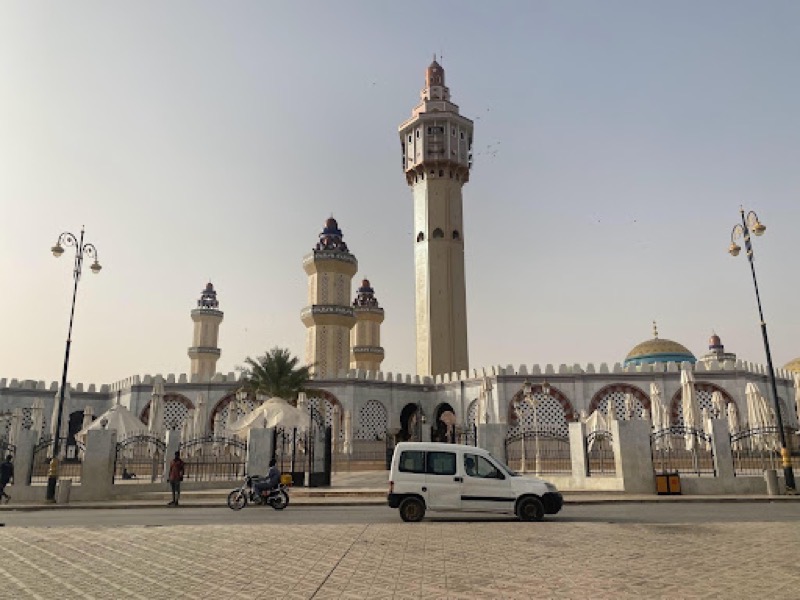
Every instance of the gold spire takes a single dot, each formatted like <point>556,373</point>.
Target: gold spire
<point>655,330</point>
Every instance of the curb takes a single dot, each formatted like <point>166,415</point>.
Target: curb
<point>382,502</point>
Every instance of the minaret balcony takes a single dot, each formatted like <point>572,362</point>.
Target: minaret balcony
<point>375,350</point>
<point>201,350</point>
<point>328,314</point>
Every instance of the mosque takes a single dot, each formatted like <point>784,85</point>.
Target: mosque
<point>445,399</point>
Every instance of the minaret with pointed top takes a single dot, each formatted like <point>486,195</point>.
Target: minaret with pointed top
<point>365,337</point>
<point>204,352</point>
<point>436,145</point>
<point>329,317</point>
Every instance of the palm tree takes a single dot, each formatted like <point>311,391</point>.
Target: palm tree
<point>275,374</point>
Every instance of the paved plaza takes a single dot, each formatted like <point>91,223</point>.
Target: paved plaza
<point>434,559</point>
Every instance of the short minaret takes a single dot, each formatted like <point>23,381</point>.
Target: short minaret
<point>365,337</point>
<point>204,351</point>
<point>436,144</point>
<point>329,316</point>
<point>716,351</point>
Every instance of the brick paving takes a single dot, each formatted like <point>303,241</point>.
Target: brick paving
<point>458,560</point>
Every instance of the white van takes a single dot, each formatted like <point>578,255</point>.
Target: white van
<point>451,477</point>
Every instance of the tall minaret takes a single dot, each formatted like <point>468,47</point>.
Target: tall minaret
<point>329,316</point>
<point>204,351</point>
<point>365,338</point>
<point>437,155</point>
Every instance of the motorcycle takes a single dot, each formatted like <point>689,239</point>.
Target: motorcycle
<point>277,498</point>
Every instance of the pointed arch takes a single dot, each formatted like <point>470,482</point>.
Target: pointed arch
<point>704,390</point>
<point>617,389</point>
<point>176,406</point>
<point>546,409</point>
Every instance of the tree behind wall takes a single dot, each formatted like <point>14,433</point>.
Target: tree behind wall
<point>275,374</point>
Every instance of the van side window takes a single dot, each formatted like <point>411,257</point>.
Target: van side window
<point>441,463</point>
<point>412,461</point>
<point>478,466</point>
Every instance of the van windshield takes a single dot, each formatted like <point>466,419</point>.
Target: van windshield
<point>503,466</point>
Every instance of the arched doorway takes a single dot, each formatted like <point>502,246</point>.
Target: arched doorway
<point>410,424</point>
<point>444,424</point>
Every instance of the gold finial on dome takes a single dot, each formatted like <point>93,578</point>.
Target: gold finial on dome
<point>655,330</point>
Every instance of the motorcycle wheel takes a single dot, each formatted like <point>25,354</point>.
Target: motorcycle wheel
<point>237,500</point>
<point>280,501</point>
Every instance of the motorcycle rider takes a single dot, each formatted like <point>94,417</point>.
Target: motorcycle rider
<point>269,482</point>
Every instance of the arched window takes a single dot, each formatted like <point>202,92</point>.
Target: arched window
<point>420,237</point>
<point>438,233</point>
<point>441,172</point>
<point>456,235</point>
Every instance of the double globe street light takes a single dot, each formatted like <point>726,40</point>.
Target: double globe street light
<point>751,223</point>
<point>81,249</point>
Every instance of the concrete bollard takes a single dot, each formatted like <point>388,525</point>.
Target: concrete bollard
<point>771,477</point>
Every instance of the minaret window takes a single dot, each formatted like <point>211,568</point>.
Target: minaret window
<point>420,237</point>
<point>441,172</point>
<point>456,235</point>
<point>438,233</point>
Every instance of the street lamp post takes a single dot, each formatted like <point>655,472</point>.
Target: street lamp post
<point>750,222</point>
<point>81,249</point>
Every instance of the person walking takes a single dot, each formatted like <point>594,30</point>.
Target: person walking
<point>176,468</point>
<point>6,475</point>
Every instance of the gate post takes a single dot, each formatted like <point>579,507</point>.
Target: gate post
<point>23,457</point>
<point>577,452</point>
<point>259,450</point>
<point>173,445</point>
<point>633,457</point>
<point>97,470</point>
<point>492,437</point>
<point>721,447</point>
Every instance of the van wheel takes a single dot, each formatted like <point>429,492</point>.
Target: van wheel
<point>412,510</point>
<point>530,509</point>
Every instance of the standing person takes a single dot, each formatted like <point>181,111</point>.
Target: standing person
<point>6,475</point>
<point>176,468</point>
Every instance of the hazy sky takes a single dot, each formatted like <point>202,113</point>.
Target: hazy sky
<point>199,140</point>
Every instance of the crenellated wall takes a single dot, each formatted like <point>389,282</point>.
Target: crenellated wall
<point>575,386</point>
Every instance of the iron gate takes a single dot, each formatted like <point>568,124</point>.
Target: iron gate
<point>43,452</point>
<point>756,450</point>
<point>600,453</point>
<point>214,458</point>
<point>682,450</point>
<point>140,458</point>
<point>6,448</point>
<point>467,435</point>
<point>539,452</point>
<point>361,455</point>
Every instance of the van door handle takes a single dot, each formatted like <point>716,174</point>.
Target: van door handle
<point>459,479</point>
